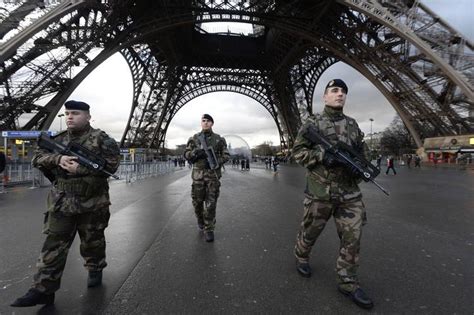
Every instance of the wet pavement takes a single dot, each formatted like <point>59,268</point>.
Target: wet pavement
<point>417,249</point>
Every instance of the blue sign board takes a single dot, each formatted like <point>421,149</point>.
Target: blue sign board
<point>25,134</point>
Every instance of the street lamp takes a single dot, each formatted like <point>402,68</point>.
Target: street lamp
<point>371,141</point>
<point>60,116</point>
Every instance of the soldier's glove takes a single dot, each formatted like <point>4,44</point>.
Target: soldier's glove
<point>329,160</point>
<point>199,154</point>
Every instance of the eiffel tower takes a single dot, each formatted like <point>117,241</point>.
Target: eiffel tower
<point>423,66</point>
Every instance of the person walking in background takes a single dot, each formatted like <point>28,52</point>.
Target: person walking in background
<point>390,165</point>
<point>417,161</point>
<point>275,164</point>
<point>379,161</point>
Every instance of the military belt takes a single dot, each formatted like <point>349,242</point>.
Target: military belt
<point>81,187</point>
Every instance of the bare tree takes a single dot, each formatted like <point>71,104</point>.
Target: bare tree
<point>396,139</point>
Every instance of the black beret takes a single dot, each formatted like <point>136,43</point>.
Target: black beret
<point>338,83</point>
<point>208,117</point>
<point>76,105</point>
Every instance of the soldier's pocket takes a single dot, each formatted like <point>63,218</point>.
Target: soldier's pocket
<point>95,220</point>
<point>197,174</point>
<point>57,223</point>
<point>307,203</point>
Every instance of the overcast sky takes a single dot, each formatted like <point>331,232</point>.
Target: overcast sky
<point>109,92</point>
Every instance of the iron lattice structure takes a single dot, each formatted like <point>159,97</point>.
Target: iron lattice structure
<point>420,63</point>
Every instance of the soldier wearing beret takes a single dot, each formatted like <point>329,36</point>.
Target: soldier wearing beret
<point>206,184</point>
<point>77,203</point>
<point>332,191</point>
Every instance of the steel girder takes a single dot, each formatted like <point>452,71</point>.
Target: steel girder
<point>422,65</point>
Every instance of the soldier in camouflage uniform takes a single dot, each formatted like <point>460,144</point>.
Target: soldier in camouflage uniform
<point>206,184</point>
<point>332,190</point>
<point>77,203</point>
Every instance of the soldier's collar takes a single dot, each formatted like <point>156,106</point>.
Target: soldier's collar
<point>79,132</point>
<point>207,132</point>
<point>334,113</point>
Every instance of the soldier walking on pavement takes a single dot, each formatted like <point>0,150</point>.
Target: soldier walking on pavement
<point>77,203</point>
<point>332,190</point>
<point>206,184</point>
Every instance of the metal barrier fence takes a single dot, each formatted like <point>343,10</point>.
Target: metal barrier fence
<point>22,173</point>
<point>131,172</point>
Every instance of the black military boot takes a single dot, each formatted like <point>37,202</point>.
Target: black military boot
<point>201,225</point>
<point>33,297</point>
<point>94,279</point>
<point>303,268</point>
<point>359,297</point>
<point>209,235</point>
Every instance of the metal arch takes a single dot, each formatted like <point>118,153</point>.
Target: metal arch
<point>382,15</point>
<point>407,86</point>
<point>148,77</point>
<point>306,73</point>
<point>291,27</point>
<point>206,89</point>
<point>54,105</point>
<point>428,103</point>
<point>66,6</point>
<point>258,96</point>
<point>186,19</point>
<point>47,79</point>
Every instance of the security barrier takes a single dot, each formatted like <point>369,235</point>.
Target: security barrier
<point>131,172</point>
<point>22,173</point>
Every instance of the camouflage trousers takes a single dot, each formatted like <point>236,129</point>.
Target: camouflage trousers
<point>204,192</point>
<point>60,231</point>
<point>349,217</point>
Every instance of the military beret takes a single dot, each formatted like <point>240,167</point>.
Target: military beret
<point>337,83</point>
<point>76,105</point>
<point>208,117</point>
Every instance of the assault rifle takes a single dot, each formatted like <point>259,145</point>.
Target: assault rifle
<point>84,156</point>
<point>211,155</point>
<point>346,155</point>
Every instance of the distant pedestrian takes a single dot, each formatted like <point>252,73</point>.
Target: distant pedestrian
<point>3,162</point>
<point>417,161</point>
<point>409,160</point>
<point>275,164</point>
<point>379,161</point>
<point>247,164</point>
<point>242,164</point>
<point>391,165</point>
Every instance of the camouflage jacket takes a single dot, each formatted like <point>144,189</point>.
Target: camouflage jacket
<point>201,166</point>
<point>325,183</point>
<point>87,190</point>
